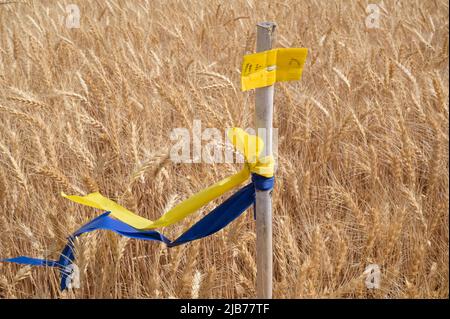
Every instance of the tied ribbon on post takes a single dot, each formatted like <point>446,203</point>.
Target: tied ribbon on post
<point>126,223</point>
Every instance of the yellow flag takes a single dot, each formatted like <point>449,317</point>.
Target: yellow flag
<point>267,67</point>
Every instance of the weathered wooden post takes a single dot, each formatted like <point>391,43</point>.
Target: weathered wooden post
<point>263,123</point>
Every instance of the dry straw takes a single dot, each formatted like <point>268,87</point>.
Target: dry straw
<point>363,145</point>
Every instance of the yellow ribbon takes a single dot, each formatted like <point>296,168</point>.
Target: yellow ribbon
<point>249,145</point>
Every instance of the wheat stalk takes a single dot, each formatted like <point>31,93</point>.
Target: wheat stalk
<point>362,150</point>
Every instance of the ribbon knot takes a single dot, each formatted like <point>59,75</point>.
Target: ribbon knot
<point>251,147</point>
<point>264,166</point>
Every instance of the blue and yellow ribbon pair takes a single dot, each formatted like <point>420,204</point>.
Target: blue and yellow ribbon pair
<point>126,223</point>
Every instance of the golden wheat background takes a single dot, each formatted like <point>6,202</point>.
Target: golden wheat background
<point>363,145</point>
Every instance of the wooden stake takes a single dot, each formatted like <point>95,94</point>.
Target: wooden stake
<point>263,122</point>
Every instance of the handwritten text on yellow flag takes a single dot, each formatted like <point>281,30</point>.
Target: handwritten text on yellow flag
<point>277,65</point>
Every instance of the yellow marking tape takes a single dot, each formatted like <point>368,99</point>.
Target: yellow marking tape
<point>277,65</point>
<point>249,145</point>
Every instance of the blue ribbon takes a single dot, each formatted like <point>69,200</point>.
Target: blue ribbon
<point>214,221</point>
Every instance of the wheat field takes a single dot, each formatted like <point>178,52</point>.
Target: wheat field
<point>362,173</point>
